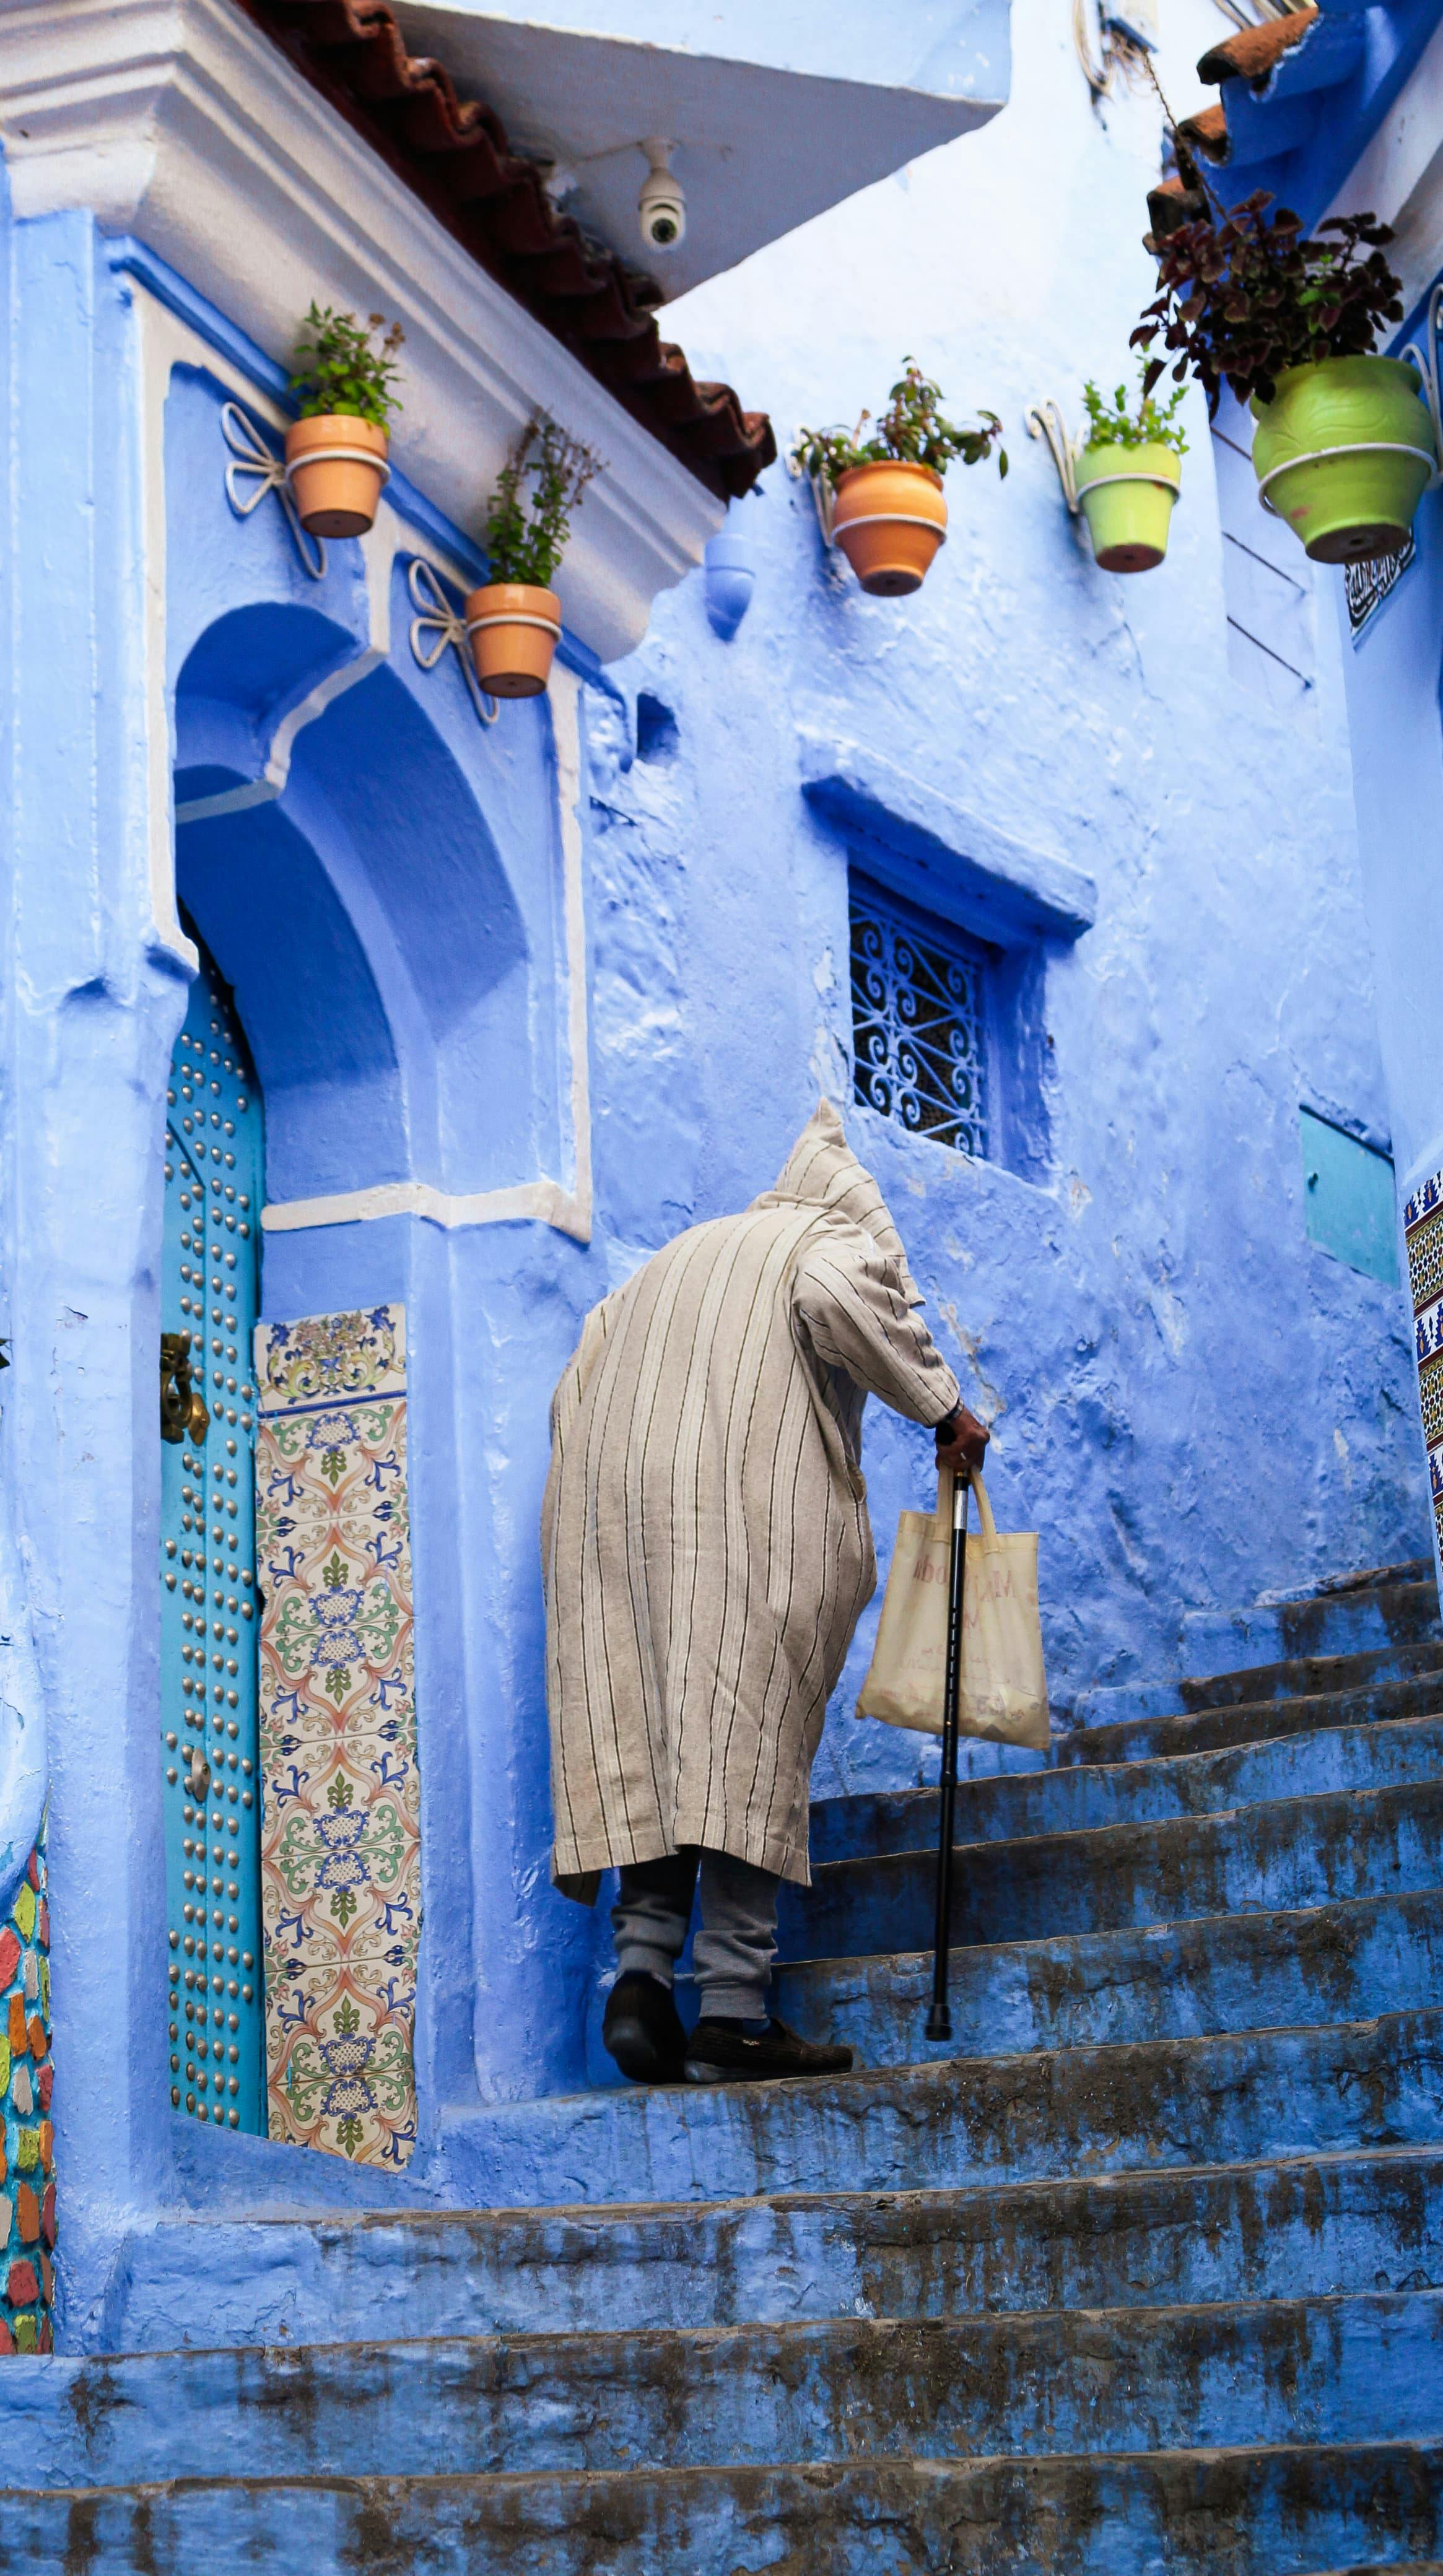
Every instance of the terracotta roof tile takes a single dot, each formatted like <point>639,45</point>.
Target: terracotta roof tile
<point>1206,134</point>
<point>1171,204</point>
<point>455,155</point>
<point>1253,52</point>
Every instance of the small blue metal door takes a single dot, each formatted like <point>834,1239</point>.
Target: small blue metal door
<point>214,1185</point>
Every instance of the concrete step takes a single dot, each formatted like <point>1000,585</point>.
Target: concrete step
<point>1369,1578</point>
<point>1260,1971</point>
<point>1304,2227</point>
<point>1232,2099</point>
<point>1369,1756</point>
<point>1261,2511</point>
<point>1250,1686</point>
<point>1330,1623</point>
<point>1359,2368</point>
<point>1362,1701</point>
<point>1281,1852</point>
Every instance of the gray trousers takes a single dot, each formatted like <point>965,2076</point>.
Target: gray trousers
<point>736,1944</point>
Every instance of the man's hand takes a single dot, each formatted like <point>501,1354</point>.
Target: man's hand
<point>962,1442</point>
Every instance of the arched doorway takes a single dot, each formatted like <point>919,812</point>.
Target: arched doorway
<point>214,1188</point>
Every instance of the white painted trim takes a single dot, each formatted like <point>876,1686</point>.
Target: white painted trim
<point>1400,174</point>
<point>565,696</point>
<point>179,121</point>
<point>165,343</point>
<point>536,1201</point>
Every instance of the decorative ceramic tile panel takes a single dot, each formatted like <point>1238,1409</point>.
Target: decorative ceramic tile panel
<point>1423,1231</point>
<point>341,1835</point>
<point>27,2135</point>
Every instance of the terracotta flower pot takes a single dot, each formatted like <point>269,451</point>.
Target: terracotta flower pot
<point>336,465</point>
<point>889,522</point>
<point>1126,494</point>
<point>1344,452</point>
<point>514,630</point>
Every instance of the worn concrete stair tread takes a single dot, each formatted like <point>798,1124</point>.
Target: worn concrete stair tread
<point>1264,2510</point>
<point>1221,2099</point>
<point>1014,1804</point>
<point>1287,1967</point>
<point>1416,1690</point>
<point>1338,1621</point>
<point>1358,2367</point>
<point>1271,1853</point>
<point>1303,2226</point>
<point>1251,1692</point>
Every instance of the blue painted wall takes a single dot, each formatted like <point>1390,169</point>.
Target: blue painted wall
<point>1193,1402</point>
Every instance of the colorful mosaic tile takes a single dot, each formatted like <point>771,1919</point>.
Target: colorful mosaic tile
<point>27,2134</point>
<point>341,1834</point>
<point>1423,1231</point>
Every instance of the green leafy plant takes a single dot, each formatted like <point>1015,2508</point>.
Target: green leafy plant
<point>1120,424</point>
<point>537,491</point>
<point>911,431</point>
<point>337,370</point>
<point>1246,295</point>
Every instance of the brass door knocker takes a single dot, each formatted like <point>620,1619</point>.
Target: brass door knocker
<point>182,1406</point>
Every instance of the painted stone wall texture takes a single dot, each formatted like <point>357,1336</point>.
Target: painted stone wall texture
<point>1423,1227</point>
<point>341,1841</point>
<point>27,2178</point>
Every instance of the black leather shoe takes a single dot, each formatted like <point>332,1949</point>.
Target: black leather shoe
<point>642,2030</point>
<point>723,2052</point>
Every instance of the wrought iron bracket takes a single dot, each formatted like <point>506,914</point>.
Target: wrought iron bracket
<point>254,461</point>
<point>1045,421</point>
<point>441,624</point>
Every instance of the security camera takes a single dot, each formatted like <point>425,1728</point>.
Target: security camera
<point>661,207</point>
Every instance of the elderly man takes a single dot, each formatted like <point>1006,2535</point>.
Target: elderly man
<point>707,1556</point>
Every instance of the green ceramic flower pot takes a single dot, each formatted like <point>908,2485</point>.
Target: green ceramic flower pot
<point>1344,453</point>
<point>1127,495</point>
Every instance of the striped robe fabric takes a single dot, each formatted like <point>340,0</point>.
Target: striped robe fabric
<point>706,1546</point>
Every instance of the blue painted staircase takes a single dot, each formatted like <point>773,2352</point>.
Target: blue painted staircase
<point>1144,2276</point>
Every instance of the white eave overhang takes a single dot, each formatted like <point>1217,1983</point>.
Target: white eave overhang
<point>775,111</point>
<point>180,122</point>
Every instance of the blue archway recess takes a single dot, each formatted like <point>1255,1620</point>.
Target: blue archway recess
<point>214,1189</point>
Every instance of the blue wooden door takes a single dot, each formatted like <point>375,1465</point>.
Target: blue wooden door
<point>214,1186</point>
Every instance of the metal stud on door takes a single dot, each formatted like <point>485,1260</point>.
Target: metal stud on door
<point>214,1176</point>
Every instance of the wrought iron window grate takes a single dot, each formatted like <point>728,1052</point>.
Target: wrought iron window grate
<point>919,1011</point>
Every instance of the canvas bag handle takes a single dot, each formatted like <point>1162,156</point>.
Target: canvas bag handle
<point>942,1525</point>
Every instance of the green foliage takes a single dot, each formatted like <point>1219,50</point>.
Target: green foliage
<point>337,370</point>
<point>537,490</point>
<point>1245,296</point>
<point>911,431</point>
<point>1151,424</point>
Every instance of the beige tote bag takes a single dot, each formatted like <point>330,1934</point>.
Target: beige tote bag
<point>1003,1693</point>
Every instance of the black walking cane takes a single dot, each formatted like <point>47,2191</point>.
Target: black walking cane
<point>939,2019</point>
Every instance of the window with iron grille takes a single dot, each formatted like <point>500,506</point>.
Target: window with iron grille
<point>919,1019</point>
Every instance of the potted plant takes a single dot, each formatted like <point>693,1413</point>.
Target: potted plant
<point>1127,476</point>
<point>1344,448</point>
<point>889,516</point>
<point>514,620</point>
<point>336,452</point>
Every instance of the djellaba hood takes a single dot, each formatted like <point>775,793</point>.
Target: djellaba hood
<point>822,1171</point>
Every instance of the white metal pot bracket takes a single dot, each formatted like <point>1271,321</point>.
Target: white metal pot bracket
<point>254,461</point>
<point>1426,362</point>
<point>1045,420</point>
<point>440,623</point>
<point>824,499</point>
